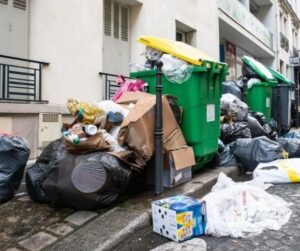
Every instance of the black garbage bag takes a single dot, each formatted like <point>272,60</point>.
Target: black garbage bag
<point>227,158</point>
<point>14,153</point>
<point>172,100</point>
<point>37,173</point>
<point>232,105</point>
<point>89,181</point>
<point>221,146</point>
<point>231,132</point>
<point>251,152</point>
<point>273,124</point>
<point>232,88</point>
<point>256,129</point>
<point>248,72</point>
<point>260,117</point>
<point>291,145</point>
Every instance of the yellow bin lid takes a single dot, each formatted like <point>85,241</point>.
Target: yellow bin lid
<point>180,50</point>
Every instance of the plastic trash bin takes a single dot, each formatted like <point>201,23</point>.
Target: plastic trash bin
<point>199,97</point>
<point>281,102</point>
<point>259,96</point>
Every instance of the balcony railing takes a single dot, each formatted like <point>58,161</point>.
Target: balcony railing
<point>20,79</point>
<point>236,11</point>
<point>110,84</point>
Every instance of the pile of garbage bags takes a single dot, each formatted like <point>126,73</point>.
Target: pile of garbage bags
<point>247,138</point>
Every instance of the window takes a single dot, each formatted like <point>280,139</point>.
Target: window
<point>180,36</point>
<point>281,67</point>
<point>185,33</point>
<point>20,4</point>
<point>116,20</point>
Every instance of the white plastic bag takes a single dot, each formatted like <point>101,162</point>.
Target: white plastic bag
<point>110,106</point>
<point>175,70</point>
<point>243,209</point>
<point>278,171</point>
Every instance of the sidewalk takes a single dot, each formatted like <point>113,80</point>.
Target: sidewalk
<point>39,227</point>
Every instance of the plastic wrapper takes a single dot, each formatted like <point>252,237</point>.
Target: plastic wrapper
<point>278,171</point>
<point>292,135</point>
<point>243,209</point>
<point>232,88</point>
<point>14,153</point>
<point>227,158</point>
<point>175,70</point>
<point>84,182</point>
<point>84,111</point>
<point>232,105</point>
<point>37,173</point>
<point>291,145</point>
<point>112,141</point>
<point>231,132</point>
<point>128,86</point>
<point>251,152</point>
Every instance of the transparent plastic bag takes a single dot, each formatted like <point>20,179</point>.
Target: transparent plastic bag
<point>176,70</point>
<point>243,209</point>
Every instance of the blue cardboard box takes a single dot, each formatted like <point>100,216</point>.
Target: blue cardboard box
<point>179,217</point>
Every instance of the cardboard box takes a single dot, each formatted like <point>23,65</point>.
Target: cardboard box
<point>177,167</point>
<point>137,129</point>
<point>179,217</point>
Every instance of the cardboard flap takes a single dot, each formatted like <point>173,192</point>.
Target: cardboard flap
<point>133,97</point>
<point>183,157</point>
<point>142,106</point>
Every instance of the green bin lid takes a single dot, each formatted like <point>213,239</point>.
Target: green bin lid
<point>259,69</point>
<point>278,76</point>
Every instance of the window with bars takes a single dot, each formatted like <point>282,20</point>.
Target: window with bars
<point>4,1</point>
<point>20,4</point>
<point>116,21</point>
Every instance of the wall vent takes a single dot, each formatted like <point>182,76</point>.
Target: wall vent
<point>4,1</point>
<point>20,4</point>
<point>50,117</point>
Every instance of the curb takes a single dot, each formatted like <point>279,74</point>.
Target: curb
<point>116,227</point>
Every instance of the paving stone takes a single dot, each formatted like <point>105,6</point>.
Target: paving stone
<point>60,229</point>
<point>190,245</point>
<point>38,241</point>
<point>80,217</point>
<point>24,198</point>
<point>13,219</point>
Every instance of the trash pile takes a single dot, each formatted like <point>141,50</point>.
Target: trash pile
<point>105,148</point>
<point>236,209</point>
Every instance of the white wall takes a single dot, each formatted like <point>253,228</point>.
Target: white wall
<point>13,30</point>
<point>157,18</point>
<point>68,35</point>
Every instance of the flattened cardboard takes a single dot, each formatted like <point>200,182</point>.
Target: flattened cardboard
<point>137,129</point>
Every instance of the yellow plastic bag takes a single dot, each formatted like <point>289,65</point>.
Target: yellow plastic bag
<point>88,112</point>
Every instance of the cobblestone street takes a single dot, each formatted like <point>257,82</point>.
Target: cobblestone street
<point>287,238</point>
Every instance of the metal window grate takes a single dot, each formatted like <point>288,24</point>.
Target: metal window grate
<point>4,1</point>
<point>50,117</point>
<point>124,23</point>
<point>20,4</point>
<point>116,20</point>
<point>107,17</point>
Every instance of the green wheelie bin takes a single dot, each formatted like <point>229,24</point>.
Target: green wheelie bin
<point>258,96</point>
<point>199,97</point>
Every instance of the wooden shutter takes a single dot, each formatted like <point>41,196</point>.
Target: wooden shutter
<point>107,17</point>
<point>124,23</point>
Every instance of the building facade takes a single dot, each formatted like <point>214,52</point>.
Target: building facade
<point>72,41</point>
